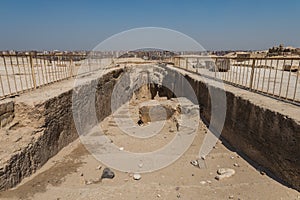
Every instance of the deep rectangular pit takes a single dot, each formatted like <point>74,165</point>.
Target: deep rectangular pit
<point>265,133</point>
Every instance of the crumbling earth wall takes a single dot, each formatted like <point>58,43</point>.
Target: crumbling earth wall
<point>45,128</point>
<point>264,129</point>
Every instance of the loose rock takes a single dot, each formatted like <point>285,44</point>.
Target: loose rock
<point>202,182</point>
<point>224,173</point>
<point>194,163</point>
<point>262,173</point>
<point>88,182</point>
<point>137,177</point>
<point>236,165</point>
<point>99,167</point>
<point>107,173</point>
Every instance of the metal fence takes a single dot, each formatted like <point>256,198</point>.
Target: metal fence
<point>22,72</point>
<point>275,77</point>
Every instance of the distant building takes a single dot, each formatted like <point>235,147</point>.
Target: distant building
<point>242,56</point>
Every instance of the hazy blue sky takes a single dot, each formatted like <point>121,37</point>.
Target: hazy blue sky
<point>75,25</point>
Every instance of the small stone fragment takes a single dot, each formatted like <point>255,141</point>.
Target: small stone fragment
<point>202,182</point>
<point>230,197</point>
<point>224,173</point>
<point>194,163</point>
<point>107,173</point>
<point>209,182</point>
<point>236,165</point>
<point>99,167</point>
<point>158,195</point>
<point>121,148</point>
<point>81,174</point>
<point>262,173</point>
<point>178,196</point>
<point>88,182</point>
<point>137,177</point>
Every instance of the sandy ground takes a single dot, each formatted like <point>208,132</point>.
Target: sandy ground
<point>64,176</point>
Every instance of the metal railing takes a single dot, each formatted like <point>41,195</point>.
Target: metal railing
<point>21,72</point>
<point>274,76</point>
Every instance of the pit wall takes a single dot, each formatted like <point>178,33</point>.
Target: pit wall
<point>261,129</point>
<point>54,127</point>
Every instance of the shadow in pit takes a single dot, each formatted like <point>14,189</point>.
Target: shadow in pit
<point>257,166</point>
<point>54,176</point>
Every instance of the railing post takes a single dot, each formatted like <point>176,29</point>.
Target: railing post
<point>186,63</point>
<point>216,68</point>
<point>252,74</point>
<point>32,71</point>
<point>71,67</point>
<point>6,72</point>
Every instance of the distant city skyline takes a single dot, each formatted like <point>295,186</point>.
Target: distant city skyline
<point>82,25</point>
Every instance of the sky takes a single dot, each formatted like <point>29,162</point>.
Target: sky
<point>82,25</point>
